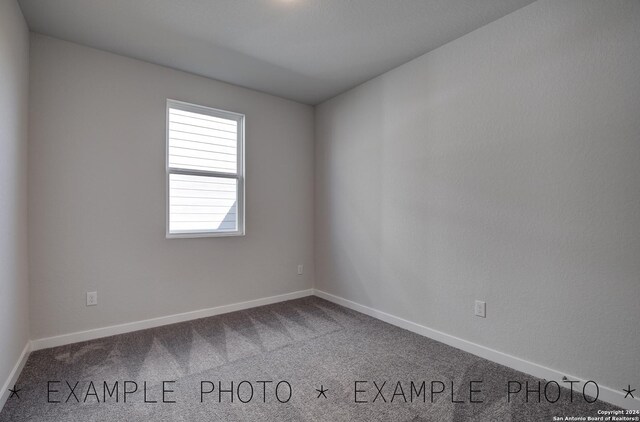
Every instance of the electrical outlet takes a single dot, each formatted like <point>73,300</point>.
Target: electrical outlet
<point>481,309</point>
<point>92,298</point>
<point>300,269</point>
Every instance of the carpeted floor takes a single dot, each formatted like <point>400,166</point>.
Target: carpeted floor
<point>305,343</point>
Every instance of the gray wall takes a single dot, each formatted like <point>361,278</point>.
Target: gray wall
<point>97,194</point>
<point>14,89</point>
<point>505,167</point>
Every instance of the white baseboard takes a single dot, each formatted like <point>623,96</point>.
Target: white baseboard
<point>14,374</point>
<point>45,343</point>
<point>607,394</point>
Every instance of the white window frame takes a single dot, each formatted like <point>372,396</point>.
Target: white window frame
<point>239,176</point>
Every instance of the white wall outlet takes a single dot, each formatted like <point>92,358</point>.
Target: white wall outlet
<point>300,269</point>
<point>481,309</point>
<point>92,298</point>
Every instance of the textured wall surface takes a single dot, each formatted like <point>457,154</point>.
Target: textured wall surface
<point>503,166</point>
<point>14,92</point>
<point>97,194</point>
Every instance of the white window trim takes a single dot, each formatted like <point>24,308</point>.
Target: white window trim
<point>239,176</point>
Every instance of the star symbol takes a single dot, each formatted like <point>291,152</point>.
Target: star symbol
<point>629,392</point>
<point>322,391</point>
<point>14,391</point>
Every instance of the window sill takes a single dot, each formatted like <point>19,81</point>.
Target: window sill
<point>187,235</point>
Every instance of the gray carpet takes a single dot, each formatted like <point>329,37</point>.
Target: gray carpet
<point>307,342</point>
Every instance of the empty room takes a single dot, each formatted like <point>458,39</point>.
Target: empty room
<point>319,210</point>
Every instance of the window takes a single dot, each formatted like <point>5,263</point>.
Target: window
<point>205,171</point>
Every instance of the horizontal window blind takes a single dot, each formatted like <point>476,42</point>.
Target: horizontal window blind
<point>202,142</point>
<point>203,165</point>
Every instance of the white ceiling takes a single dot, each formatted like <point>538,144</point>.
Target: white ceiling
<point>305,50</point>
